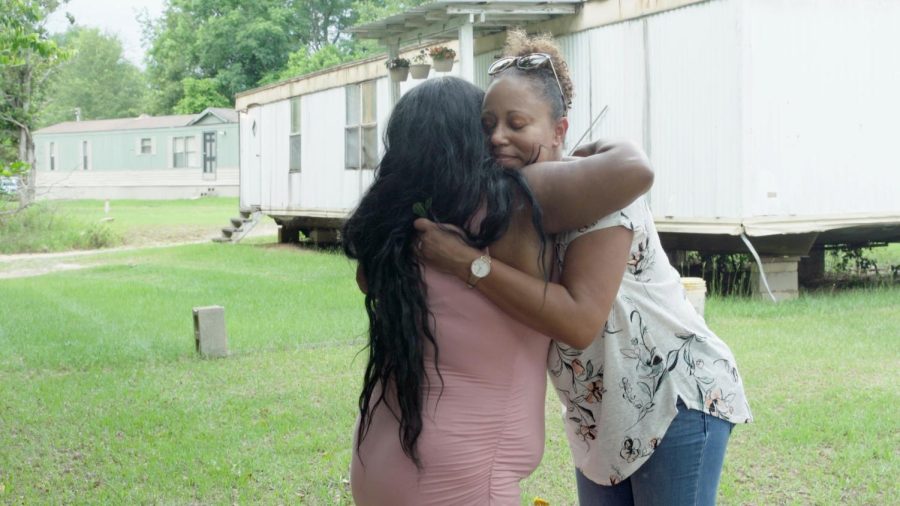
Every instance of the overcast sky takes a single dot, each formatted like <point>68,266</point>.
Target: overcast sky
<point>118,17</point>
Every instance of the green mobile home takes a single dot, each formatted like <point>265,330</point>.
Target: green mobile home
<point>148,157</point>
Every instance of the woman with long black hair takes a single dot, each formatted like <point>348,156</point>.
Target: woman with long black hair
<point>452,404</point>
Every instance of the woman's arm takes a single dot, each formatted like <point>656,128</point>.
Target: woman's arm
<point>577,192</point>
<point>572,311</point>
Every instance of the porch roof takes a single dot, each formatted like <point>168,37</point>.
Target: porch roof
<point>440,20</point>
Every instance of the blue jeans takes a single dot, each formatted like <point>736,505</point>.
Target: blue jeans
<point>684,470</point>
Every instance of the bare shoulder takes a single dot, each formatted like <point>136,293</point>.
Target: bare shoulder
<point>520,246</point>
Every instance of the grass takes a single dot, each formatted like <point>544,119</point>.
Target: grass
<point>61,225</point>
<point>41,228</point>
<point>103,401</point>
<point>886,256</point>
<point>158,220</point>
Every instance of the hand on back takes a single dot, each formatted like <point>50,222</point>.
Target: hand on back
<point>443,248</point>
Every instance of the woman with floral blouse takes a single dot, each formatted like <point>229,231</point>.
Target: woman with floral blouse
<point>650,392</point>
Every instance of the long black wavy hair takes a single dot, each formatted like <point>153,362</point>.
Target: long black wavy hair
<point>435,155</point>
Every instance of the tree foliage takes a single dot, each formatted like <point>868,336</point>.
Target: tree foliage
<point>28,57</point>
<point>238,45</point>
<point>325,52</point>
<point>304,61</point>
<point>200,94</point>
<point>231,41</point>
<point>97,80</point>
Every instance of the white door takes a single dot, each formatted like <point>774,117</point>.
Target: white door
<point>251,161</point>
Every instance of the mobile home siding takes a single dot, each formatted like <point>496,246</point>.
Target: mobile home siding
<point>694,119</point>
<point>323,178</point>
<point>732,99</point>
<point>577,51</point>
<point>821,107</point>
<point>617,80</point>
<point>118,169</point>
<point>482,63</point>
<point>251,157</point>
<point>275,153</point>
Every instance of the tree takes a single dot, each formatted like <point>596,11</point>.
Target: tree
<point>231,41</point>
<point>330,45</point>
<point>200,94</point>
<point>304,61</point>
<point>28,57</point>
<point>243,44</point>
<point>326,21</point>
<point>97,80</point>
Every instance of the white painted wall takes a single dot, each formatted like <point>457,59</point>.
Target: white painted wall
<point>250,128</point>
<point>821,107</point>
<point>275,153</point>
<point>322,162</point>
<point>694,79</point>
<point>617,81</point>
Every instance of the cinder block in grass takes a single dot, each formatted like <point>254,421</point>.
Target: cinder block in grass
<point>210,337</point>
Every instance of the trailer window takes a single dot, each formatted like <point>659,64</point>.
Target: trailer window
<point>294,163</point>
<point>361,133</point>
<point>184,152</point>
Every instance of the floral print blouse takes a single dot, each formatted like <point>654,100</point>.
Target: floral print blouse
<point>620,393</point>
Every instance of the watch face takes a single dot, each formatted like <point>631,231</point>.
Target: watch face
<point>481,267</point>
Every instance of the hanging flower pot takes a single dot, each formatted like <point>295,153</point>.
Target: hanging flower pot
<point>443,65</point>
<point>442,58</point>
<point>399,73</point>
<point>419,70</point>
<point>420,66</point>
<point>398,68</point>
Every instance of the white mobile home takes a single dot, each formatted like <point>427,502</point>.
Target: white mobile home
<point>767,119</point>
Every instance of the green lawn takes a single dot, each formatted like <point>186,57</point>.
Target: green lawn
<point>103,401</point>
<point>149,218</point>
<point>62,225</point>
<point>885,256</point>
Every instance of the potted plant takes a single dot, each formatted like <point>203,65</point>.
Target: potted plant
<point>442,57</point>
<point>398,68</point>
<point>420,67</point>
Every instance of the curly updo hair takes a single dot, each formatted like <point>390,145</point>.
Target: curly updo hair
<point>519,43</point>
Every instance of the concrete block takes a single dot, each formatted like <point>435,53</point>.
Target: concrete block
<point>210,337</point>
<point>782,280</point>
<point>324,236</point>
<point>779,264</point>
<point>781,273</point>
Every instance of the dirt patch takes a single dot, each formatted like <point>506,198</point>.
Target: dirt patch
<point>25,265</point>
<point>26,272</point>
<point>297,247</point>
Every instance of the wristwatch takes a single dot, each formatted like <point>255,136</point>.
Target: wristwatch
<point>479,269</point>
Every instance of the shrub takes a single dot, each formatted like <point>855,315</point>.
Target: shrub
<point>724,273</point>
<point>41,228</point>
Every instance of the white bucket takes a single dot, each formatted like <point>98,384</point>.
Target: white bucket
<point>695,291</point>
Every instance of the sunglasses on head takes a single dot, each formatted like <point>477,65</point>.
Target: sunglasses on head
<point>528,62</point>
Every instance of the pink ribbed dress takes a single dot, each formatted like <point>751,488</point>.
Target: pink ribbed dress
<point>485,433</point>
